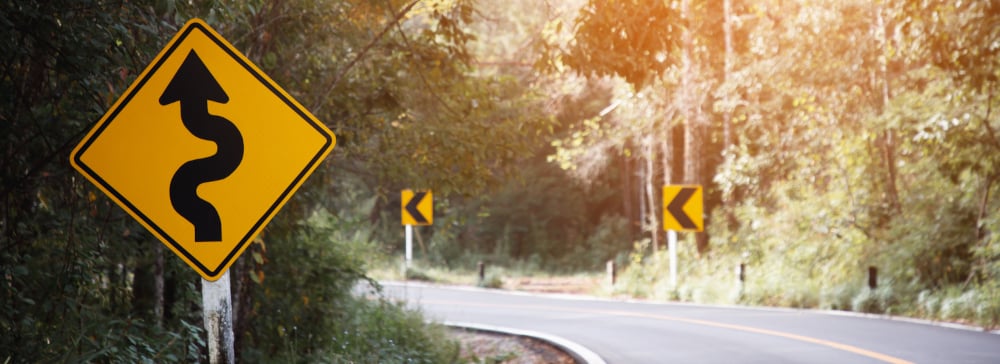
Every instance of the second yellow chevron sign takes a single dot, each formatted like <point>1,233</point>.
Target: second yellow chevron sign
<point>683,208</point>
<point>418,207</point>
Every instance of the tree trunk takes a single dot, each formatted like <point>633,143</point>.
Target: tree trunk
<point>888,136</point>
<point>692,112</point>
<point>727,29</point>
<point>727,134</point>
<point>639,191</point>
<point>981,264</point>
<point>652,222</point>
<point>729,195</point>
<point>667,152</point>
<point>240,280</point>
<point>158,286</point>
<point>667,155</point>
<point>626,180</point>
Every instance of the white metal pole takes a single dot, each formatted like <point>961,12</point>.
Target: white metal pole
<point>217,308</point>
<point>672,246</point>
<point>409,245</point>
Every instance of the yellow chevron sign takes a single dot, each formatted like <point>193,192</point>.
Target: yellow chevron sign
<point>683,208</point>
<point>418,207</point>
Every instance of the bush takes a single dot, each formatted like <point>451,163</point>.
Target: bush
<point>381,331</point>
<point>304,310</point>
<point>604,242</point>
<point>415,274</point>
<point>492,280</point>
<point>636,280</point>
<point>962,306</point>
<point>978,304</point>
<point>879,300</point>
<point>839,297</point>
<point>988,311</point>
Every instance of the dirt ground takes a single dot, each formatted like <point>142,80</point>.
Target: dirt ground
<point>494,348</point>
<point>567,285</point>
<point>482,347</point>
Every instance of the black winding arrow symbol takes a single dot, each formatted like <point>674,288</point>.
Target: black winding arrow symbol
<point>676,208</point>
<point>411,207</point>
<point>194,86</point>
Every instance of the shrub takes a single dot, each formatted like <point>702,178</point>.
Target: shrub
<point>839,297</point>
<point>381,331</point>
<point>962,306</point>
<point>415,274</point>
<point>304,310</point>
<point>988,310</point>
<point>866,301</point>
<point>492,280</point>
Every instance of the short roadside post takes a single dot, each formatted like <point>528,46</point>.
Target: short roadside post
<point>260,132</point>
<point>741,278</point>
<point>682,211</point>
<point>417,210</point>
<point>612,274</point>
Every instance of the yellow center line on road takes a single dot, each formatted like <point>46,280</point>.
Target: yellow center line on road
<point>796,337</point>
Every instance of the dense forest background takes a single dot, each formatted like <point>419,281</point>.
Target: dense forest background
<point>830,136</point>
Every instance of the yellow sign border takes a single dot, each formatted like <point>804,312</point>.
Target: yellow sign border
<point>192,26</point>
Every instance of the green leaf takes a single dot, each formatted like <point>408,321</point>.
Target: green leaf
<point>20,270</point>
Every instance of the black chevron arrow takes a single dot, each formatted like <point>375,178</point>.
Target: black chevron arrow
<point>411,207</point>
<point>676,207</point>
<point>194,86</point>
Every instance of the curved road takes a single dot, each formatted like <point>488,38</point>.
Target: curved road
<point>634,333</point>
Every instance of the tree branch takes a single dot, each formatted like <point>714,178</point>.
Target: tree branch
<point>986,120</point>
<point>423,78</point>
<point>364,51</point>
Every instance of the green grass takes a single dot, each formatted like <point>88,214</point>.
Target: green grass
<point>496,276</point>
<point>714,281</point>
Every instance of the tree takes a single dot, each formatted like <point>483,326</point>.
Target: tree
<point>69,255</point>
<point>643,41</point>
<point>76,267</point>
<point>958,133</point>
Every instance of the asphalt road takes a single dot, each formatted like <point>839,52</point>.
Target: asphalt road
<point>635,333</point>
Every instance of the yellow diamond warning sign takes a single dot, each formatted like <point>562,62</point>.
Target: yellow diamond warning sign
<point>203,149</point>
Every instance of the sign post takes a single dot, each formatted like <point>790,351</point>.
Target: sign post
<point>682,211</point>
<point>203,149</point>
<point>417,209</point>
<point>217,308</point>
<point>409,244</point>
<point>672,246</point>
